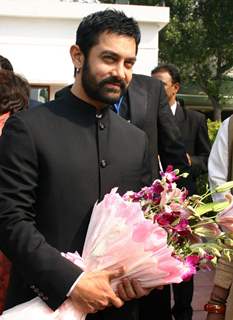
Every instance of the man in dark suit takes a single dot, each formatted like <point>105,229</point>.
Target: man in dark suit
<point>57,159</point>
<point>195,137</point>
<point>145,105</point>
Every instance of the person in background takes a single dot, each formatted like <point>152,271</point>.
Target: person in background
<point>220,165</point>
<point>194,130</point>
<point>5,64</point>
<point>14,96</point>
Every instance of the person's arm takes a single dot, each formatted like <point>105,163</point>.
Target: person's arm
<point>218,174</point>
<point>220,292</point>
<point>202,149</point>
<point>41,265</point>
<point>218,160</point>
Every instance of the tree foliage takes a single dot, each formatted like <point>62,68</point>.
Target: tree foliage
<point>199,40</point>
<point>139,2</point>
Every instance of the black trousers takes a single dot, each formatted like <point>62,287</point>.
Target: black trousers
<point>156,306</point>
<point>129,311</point>
<point>183,295</point>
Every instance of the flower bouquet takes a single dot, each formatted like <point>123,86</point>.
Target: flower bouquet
<point>168,235</point>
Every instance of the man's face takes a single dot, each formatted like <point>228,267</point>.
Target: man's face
<point>107,71</point>
<point>170,87</point>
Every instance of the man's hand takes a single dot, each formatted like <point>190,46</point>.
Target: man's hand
<point>131,289</point>
<point>93,291</point>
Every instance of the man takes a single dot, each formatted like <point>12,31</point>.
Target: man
<point>194,130</point>
<point>220,168</point>
<point>145,106</point>
<point>58,159</point>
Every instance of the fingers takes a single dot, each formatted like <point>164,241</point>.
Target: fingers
<point>116,301</point>
<point>112,274</point>
<point>93,291</point>
<point>126,290</point>
<point>139,290</point>
<point>131,289</point>
<point>122,293</point>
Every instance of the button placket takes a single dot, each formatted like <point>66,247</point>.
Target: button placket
<point>99,115</point>
<point>103,163</point>
<point>101,126</point>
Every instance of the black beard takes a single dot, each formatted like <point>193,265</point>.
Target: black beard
<point>98,91</point>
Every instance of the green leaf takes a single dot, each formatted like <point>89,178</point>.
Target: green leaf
<point>227,186</point>
<point>227,254</point>
<point>229,242</point>
<point>220,206</point>
<point>211,206</point>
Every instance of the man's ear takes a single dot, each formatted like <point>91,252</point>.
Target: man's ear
<point>177,86</point>
<point>77,56</point>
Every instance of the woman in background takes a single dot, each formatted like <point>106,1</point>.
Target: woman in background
<point>14,96</point>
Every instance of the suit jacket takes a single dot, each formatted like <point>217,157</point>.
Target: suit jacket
<point>194,130</point>
<point>148,109</point>
<point>56,160</point>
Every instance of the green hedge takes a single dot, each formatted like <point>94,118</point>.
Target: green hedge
<point>202,180</point>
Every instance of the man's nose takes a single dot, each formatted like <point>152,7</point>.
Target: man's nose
<point>119,71</point>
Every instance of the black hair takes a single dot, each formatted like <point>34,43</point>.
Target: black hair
<point>5,64</point>
<point>111,21</point>
<point>14,92</point>
<point>171,69</point>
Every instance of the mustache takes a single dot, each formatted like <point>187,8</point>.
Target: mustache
<point>113,80</point>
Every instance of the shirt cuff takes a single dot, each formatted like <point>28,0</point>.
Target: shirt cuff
<point>74,284</point>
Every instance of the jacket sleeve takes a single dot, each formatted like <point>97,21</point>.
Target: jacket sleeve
<point>202,149</point>
<point>146,174</point>
<point>41,265</point>
<point>224,274</point>
<point>171,147</point>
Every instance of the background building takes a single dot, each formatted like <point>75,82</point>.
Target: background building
<point>36,36</point>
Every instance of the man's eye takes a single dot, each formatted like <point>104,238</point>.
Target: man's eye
<point>129,64</point>
<point>108,59</point>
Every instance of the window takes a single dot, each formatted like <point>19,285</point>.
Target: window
<point>40,93</point>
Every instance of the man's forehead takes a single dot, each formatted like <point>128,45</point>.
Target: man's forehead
<point>163,75</point>
<point>116,42</point>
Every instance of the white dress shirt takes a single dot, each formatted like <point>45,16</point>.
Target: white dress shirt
<point>218,160</point>
<point>173,108</point>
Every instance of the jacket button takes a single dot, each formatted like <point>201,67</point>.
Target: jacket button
<point>103,163</point>
<point>101,125</point>
<point>99,115</point>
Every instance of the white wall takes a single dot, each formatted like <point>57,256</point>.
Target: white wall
<point>36,36</point>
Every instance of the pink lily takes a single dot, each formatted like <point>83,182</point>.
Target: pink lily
<point>208,230</point>
<point>225,218</point>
